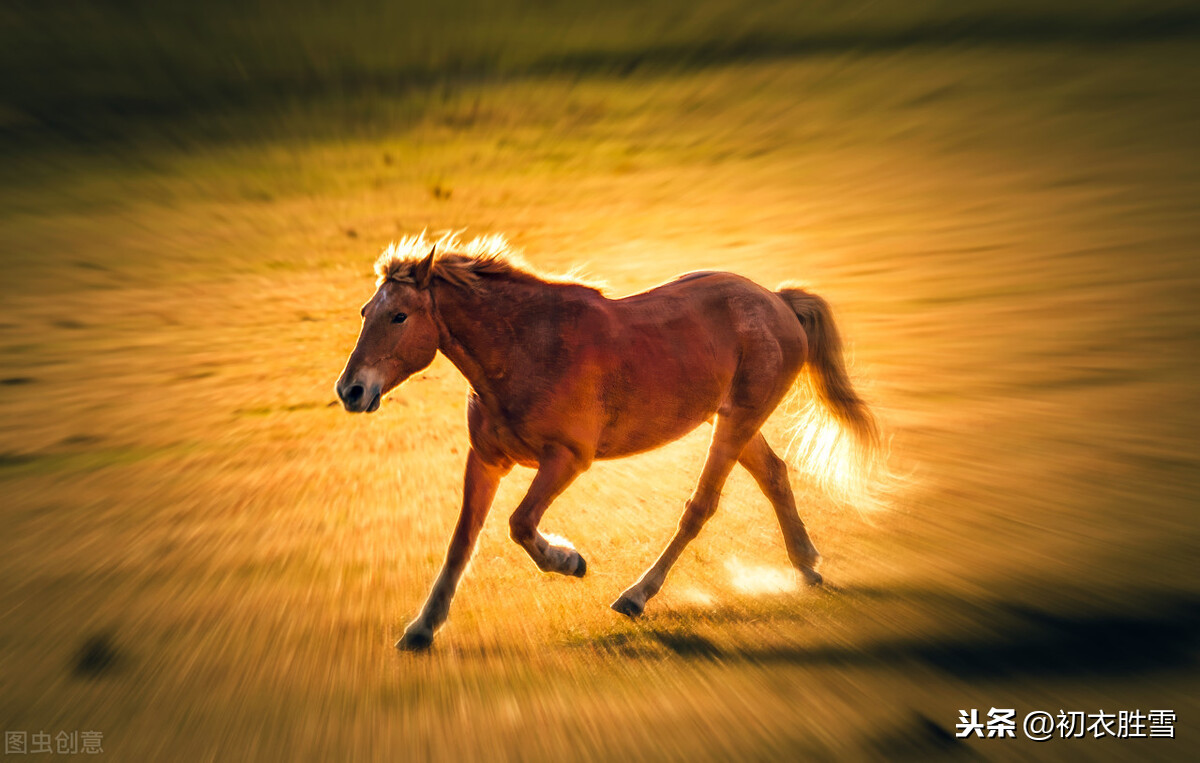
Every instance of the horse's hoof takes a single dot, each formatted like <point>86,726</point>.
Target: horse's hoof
<point>627,607</point>
<point>811,577</point>
<point>581,568</point>
<point>415,641</point>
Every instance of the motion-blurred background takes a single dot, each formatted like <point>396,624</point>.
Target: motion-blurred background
<point>202,559</point>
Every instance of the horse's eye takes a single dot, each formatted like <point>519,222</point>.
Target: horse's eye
<point>399,318</point>
<point>363,311</point>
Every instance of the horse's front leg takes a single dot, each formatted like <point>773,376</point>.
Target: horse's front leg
<point>479,488</point>
<point>557,468</point>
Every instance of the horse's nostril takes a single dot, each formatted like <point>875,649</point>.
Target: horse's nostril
<point>354,394</point>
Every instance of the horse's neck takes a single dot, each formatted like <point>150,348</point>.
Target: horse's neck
<point>482,330</point>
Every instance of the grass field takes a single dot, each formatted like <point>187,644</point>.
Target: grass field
<point>205,559</point>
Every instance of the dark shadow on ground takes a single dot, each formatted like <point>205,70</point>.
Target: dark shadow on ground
<point>1046,645</point>
<point>1155,635</point>
<point>919,738</point>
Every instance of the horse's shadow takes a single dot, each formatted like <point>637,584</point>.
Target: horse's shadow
<point>1152,633</point>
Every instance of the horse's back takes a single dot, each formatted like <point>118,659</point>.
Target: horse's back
<point>720,299</point>
<point>684,345</point>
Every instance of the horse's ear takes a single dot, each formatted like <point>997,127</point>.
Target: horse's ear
<point>423,272</point>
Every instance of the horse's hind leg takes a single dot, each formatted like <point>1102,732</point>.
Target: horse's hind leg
<point>770,472</point>
<point>729,438</point>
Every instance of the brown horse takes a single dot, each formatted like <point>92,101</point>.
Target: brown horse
<point>561,375</point>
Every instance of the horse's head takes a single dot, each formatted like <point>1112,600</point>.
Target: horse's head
<point>399,337</point>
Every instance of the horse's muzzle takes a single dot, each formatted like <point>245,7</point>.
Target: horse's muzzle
<point>358,398</point>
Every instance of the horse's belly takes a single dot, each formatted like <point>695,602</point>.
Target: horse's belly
<point>629,443</point>
<point>659,412</point>
<point>677,360</point>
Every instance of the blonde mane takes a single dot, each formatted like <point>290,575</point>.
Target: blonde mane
<point>461,264</point>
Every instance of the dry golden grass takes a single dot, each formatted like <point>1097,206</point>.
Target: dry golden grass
<point>1008,238</point>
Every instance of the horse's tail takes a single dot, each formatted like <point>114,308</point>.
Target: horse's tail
<point>834,408</point>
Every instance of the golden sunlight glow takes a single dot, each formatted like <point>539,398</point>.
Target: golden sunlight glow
<point>697,597</point>
<point>847,471</point>
<point>759,579</point>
